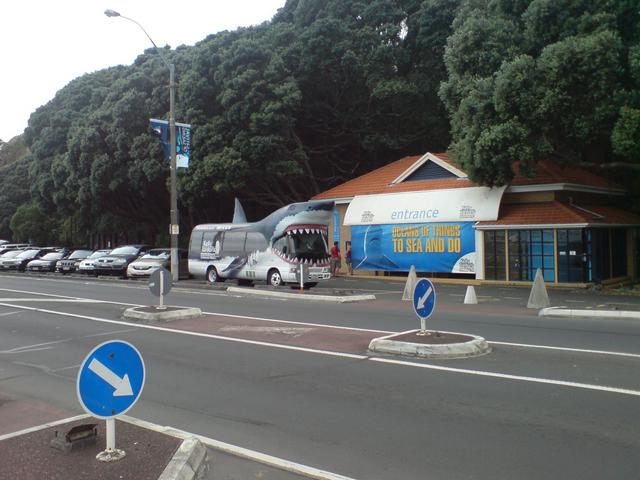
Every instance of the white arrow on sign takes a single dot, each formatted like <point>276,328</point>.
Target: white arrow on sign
<point>423,299</point>
<point>122,385</point>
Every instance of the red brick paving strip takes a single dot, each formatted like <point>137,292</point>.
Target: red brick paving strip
<point>282,333</point>
<point>30,457</point>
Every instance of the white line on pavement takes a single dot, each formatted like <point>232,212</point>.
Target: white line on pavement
<point>352,356</point>
<point>568,349</point>
<point>586,386</point>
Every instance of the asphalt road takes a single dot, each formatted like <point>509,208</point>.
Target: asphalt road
<point>556,398</point>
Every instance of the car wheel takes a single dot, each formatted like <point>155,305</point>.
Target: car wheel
<point>274,278</point>
<point>212,275</point>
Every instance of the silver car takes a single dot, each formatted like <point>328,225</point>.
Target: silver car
<point>88,265</point>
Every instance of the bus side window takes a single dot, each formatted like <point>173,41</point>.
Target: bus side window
<point>233,244</point>
<point>195,246</point>
<point>211,245</point>
<point>255,242</point>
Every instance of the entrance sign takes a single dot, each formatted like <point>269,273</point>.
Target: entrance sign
<point>424,301</point>
<point>110,379</point>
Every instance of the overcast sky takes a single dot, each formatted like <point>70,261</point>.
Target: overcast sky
<point>44,44</point>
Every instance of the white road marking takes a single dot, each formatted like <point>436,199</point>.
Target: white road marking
<point>9,313</point>
<point>62,300</point>
<point>32,347</point>
<point>586,386</point>
<point>569,349</point>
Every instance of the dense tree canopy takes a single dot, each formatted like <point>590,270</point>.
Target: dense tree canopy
<point>329,89</point>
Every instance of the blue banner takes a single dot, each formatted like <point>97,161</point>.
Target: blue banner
<point>183,140</point>
<point>431,247</point>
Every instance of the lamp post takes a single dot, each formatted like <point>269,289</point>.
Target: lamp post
<point>174,226</point>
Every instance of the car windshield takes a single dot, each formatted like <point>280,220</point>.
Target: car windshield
<point>80,254</point>
<point>53,256</point>
<point>125,251</point>
<point>99,253</point>
<point>28,254</point>
<point>11,254</point>
<point>157,254</point>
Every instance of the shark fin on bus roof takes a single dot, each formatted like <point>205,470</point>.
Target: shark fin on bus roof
<point>238,213</point>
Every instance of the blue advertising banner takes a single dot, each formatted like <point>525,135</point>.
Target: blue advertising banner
<point>336,226</point>
<point>183,140</point>
<point>431,247</point>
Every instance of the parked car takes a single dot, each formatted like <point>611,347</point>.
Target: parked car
<point>2,242</point>
<point>20,261</point>
<point>71,263</point>
<point>157,258</point>
<point>118,260</point>
<point>46,263</point>
<point>13,246</point>
<point>88,265</point>
<point>7,256</point>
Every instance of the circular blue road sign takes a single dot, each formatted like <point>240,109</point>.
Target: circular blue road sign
<point>424,298</point>
<point>110,379</point>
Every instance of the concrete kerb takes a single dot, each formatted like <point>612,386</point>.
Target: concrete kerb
<point>474,347</point>
<point>154,314</point>
<point>188,463</point>
<point>304,296</point>
<point>570,312</point>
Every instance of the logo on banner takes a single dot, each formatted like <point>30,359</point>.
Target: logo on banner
<point>367,217</point>
<point>183,140</point>
<point>467,211</point>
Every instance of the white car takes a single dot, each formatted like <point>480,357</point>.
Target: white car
<point>88,265</point>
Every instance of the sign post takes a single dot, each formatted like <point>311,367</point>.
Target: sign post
<point>424,302</point>
<point>160,284</point>
<point>109,383</point>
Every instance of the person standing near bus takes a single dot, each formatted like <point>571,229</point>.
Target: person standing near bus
<point>335,259</point>
<point>347,259</point>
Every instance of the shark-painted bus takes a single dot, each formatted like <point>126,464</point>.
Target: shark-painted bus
<point>270,250</point>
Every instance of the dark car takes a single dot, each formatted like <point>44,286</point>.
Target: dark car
<point>118,260</point>
<point>46,263</point>
<point>20,261</point>
<point>71,263</point>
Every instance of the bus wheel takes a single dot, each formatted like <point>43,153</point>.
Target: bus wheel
<point>212,275</point>
<point>274,278</point>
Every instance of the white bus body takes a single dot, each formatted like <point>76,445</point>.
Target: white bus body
<point>271,250</point>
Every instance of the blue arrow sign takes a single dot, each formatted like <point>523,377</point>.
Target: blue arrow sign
<point>424,298</point>
<point>110,379</point>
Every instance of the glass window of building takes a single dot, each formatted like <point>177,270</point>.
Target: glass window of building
<point>494,255</point>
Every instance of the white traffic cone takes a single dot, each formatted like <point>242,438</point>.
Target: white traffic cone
<point>412,279</point>
<point>470,296</point>
<point>538,297</point>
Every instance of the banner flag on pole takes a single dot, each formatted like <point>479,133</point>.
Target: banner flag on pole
<point>183,140</point>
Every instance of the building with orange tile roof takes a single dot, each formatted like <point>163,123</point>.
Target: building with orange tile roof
<point>425,211</point>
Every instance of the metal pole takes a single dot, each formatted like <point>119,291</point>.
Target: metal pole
<point>111,434</point>
<point>174,228</point>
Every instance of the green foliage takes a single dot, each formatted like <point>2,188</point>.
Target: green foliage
<point>327,90</point>
<point>539,79</point>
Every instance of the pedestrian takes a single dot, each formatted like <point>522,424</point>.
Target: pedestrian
<point>335,259</point>
<point>347,258</point>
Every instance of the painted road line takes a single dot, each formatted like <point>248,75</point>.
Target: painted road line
<point>43,426</point>
<point>504,376</point>
<point>279,463</point>
<point>585,386</point>
<point>61,300</point>
<point>385,332</point>
<point>569,349</point>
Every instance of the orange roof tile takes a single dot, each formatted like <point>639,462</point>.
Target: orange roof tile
<point>379,180</point>
<point>558,213</point>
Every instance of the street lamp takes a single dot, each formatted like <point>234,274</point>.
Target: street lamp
<point>174,227</point>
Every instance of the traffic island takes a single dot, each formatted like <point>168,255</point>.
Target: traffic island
<point>301,295</point>
<point>433,344</point>
<point>161,314</point>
